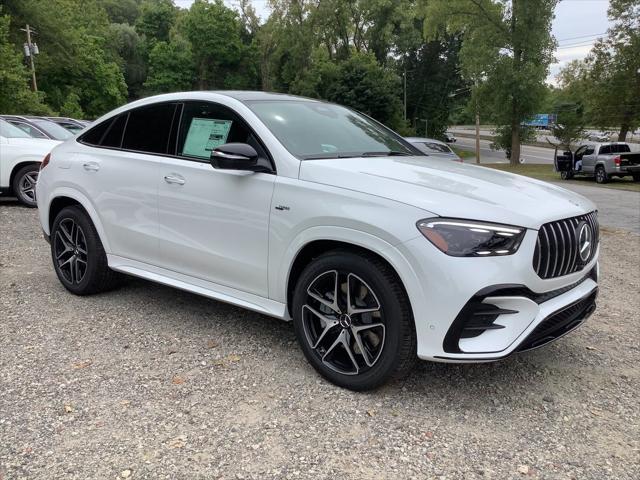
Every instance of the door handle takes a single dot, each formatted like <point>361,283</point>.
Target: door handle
<point>91,166</point>
<point>177,179</point>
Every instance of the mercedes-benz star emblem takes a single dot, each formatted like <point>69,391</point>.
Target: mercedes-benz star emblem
<point>585,243</point>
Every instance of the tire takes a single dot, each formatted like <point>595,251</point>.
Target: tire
<point>355,350</point>
<point>601,175</point>
<point>24,184</point>
<point>636,178</point>
<point>566,175</point>
<point>78,256</point>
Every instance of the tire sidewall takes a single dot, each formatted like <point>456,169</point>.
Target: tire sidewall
<point>81,219</point>
<point>392,311</point>
<point>601,175</point>
<point>17,180</point>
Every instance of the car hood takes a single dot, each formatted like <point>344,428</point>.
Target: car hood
<point>451,189</point>
<point>43,145</point>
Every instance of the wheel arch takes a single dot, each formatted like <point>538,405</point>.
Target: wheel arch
<point>67,197</point>
<point>16,168</point>
<point>314,247</point>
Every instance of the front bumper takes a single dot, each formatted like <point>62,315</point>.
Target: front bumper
<point>485,309</point>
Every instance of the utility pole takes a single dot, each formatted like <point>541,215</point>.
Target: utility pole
<point>477,133</point>
<point>404,76</point>
<point>30,50</point>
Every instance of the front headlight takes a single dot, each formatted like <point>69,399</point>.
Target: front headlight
<point>470,238</point>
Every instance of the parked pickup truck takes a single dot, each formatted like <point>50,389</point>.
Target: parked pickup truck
<point>599,160</point>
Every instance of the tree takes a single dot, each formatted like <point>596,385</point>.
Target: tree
<point>74,53</point>
<point>156,17</point>
<point>214,30</point>
<point>358,82</point>
<point>15,95</point>
<point>614,70</point>
<point>171,67</point>
<point>506,52</point>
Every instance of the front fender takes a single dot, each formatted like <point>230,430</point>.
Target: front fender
<point>279,277</point>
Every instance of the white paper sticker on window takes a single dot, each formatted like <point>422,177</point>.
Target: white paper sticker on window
<point>204,135</point>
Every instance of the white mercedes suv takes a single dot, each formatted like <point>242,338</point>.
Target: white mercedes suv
<point>311,212</point>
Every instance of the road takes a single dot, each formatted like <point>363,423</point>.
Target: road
<point>529,154</point>
<point>618,209</point>
<point>633,137</point>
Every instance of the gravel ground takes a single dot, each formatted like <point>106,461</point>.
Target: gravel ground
<point>151,382</point>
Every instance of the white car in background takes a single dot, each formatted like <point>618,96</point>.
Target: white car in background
<point>308,211</point>
<point>434,148</point>
<point>20,157</point>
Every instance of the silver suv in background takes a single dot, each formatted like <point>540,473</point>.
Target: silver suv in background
<point>599,160</point>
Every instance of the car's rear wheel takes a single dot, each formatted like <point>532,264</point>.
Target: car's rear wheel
<point>78,256</point>
<point>601,175</point>
<point>353,320</point>
<point>24,184</point>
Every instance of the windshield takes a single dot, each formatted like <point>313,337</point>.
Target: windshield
<point>9,131</point>
<point>53,129</point>
<point>314,130</point>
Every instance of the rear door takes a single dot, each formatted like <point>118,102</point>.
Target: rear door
<point>214,224</point>
<point>120,172</point>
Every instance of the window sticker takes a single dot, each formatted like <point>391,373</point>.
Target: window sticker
<point>204,135</point>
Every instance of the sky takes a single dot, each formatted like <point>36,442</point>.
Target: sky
<point>577,25</point>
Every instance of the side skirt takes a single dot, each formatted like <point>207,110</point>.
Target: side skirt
<point>198,286</point>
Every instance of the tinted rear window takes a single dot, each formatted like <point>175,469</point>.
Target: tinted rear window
<point>94,136</point>
<point>113,138</point>
<point>148,128</point>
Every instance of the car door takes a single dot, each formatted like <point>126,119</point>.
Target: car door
<point>214,224</point>
<point>119,171</point>
<point>589,159</point>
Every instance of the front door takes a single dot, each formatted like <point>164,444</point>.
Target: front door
<point>214,224</point>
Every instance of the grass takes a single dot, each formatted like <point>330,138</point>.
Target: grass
<point>546,173</point>
<point>464,153</point>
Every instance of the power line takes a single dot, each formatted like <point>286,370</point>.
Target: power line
<point>581,36</point>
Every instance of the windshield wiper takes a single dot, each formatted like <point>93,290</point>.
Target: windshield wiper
<point>390,153</point>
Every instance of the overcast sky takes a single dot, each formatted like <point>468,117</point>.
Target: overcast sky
<point>577,25</point>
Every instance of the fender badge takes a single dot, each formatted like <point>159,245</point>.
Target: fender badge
<point>282,207</point>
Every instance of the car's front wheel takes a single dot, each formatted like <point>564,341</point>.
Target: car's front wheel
<point>78,256</point>
<point>353,320</point>
<point>24,184</point>
<point>566,175</point>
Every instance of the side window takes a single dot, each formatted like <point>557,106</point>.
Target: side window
<point>580,151</point>
<point>205,126</point>
<point>95,134</point>
<point>113,136</point>
<point>605,149</point>
<point>148,128</point>
<point>589,151</point>
<point>25,127</point>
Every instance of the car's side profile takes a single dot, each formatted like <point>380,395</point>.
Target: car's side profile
<point>20,157</point>
<point>308,211</point>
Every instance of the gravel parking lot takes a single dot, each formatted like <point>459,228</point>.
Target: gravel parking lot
<point>151,382</point>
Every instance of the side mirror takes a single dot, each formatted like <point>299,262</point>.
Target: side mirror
<point>234,156</point>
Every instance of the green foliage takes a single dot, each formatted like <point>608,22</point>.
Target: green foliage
<point>15,95</point>
<point>156,17</point>
<point>215,31</point>
<point>569,128</point>
<point>171,67</point>
<point>506,53</point>
<point>358,82</point>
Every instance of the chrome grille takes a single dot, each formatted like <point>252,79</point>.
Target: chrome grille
<point>557,250</point>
